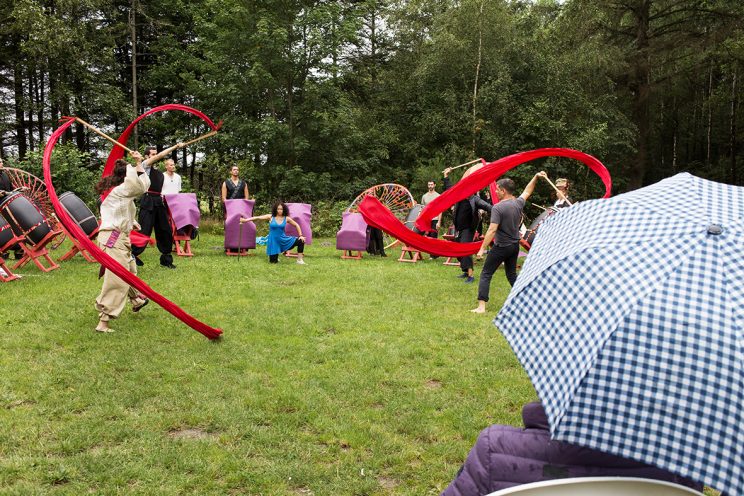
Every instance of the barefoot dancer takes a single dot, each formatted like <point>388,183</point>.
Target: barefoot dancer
<point>117,220</point>
<point>506,216</point>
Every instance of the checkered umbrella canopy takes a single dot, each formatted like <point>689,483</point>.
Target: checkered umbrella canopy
<point>628,317</point>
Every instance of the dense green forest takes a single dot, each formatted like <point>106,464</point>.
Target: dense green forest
<point>322,99</point>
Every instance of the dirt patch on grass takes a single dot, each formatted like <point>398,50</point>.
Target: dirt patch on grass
<point>433,384</point>
<point>192,433</point>
<point>387,483</point>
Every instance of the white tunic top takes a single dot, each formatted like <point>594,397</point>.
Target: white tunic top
<point>171,184</point>
<point>117,210</point>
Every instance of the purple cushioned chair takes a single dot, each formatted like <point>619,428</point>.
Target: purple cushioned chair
<point>235,210</point>
<point>353,233</point>
<point>302,214</point>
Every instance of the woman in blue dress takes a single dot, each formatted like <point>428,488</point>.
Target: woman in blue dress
<point>278,241</point>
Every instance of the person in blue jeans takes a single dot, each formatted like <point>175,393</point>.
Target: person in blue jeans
<point>506,217</point>
<point>278,242</point>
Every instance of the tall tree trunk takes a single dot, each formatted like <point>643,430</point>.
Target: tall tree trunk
<point>40,105</point>
<point>30,122</point>
<point>20,120</point>
<point>67,136</point>
<point>53,98</point>
<point>675,136</point>
<point>710,116</point>
<point>133,34</point>
<point>476,129</point>
<point>641,95</point>
<point>290,102</point>
<point>734,145</point>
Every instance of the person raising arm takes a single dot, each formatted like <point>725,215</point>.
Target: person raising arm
<point>506,217</point>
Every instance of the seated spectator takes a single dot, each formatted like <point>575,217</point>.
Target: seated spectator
<point>505,456</point>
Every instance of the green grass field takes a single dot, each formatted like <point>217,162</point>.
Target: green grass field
<point>339,377</point>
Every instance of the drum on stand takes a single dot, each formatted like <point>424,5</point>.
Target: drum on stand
<point>6,234</point>
<point>25,219</point>
<point>413,215</point>
<point>529,235</point>
<point>79,211</point>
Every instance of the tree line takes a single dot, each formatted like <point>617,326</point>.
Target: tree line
<point>322,99</point>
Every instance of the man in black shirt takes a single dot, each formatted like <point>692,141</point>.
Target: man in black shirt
<point>153,212</point>
<point>506,217</point>
<point>466,219</point>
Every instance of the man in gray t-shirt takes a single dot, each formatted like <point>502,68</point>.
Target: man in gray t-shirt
<point>506,217</point>
<point>427,198</point>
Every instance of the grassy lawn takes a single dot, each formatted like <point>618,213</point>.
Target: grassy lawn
<point>339,377</point>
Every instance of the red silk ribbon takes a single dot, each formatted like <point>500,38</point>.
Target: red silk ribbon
<point>105,260</point>
<point>376,215</point>
<point>117,152</point>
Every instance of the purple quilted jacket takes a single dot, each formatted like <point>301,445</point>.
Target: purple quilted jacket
<point>505,456</point>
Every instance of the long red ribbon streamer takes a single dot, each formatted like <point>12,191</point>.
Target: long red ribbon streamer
<point>106,260</point>
<point>376,215</point>
<point>117,152</point>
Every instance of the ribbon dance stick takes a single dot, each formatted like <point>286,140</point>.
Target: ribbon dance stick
<point>376,215</point>
<point>463,165</point>
<point>97,131</point>
<point>203,136</point>
<point>95,251</point>
<point>558,191</point>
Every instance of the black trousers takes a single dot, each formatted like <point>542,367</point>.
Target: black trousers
<point>433,233</point>
<point>300,249</point>
<point>157,219</point>
<point>465,236</point>
<point>376,245</point>
<point>498,254</point>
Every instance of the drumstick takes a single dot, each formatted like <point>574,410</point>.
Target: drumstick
<point>99,132</point>
<point>203,136</point>
<point>463,165</point>
<point>558,191</point>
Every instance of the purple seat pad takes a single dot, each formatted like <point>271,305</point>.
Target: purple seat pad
<point>184,209</point>
<point>302,214</point>
<point>235,210</point>
<point>353,233</point>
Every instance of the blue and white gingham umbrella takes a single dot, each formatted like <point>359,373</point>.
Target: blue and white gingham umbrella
<point>628,317</point>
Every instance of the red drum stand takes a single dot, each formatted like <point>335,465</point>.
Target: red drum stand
<point>6,275</point>
<point>78,248</point>
<point>413,255</point>
<point>182,236</point>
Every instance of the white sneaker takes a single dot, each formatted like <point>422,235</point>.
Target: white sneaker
<point>301,262</point>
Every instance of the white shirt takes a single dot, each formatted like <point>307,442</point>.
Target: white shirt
<point>117,210</point>
<point>171,184</point>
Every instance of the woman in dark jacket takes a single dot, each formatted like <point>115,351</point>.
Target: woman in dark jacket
<point>505,456</point>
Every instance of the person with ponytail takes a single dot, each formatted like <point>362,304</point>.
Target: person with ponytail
<point>117,220</point>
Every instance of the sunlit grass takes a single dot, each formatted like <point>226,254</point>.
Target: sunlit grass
<point>339,377</point>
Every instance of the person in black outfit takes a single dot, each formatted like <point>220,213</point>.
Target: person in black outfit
<point>153,212</point>
<point>506,217</point>
<point>465,219</point>
<point>376,244</point>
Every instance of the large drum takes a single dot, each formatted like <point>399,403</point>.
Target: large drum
<point>413,215</point>
<point>25,218</point>
<point>79,211</point>
<point>6,233</point>
<point>529,235</point>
